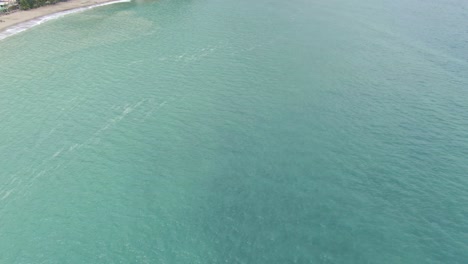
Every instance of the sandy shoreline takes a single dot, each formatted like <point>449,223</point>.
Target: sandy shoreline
<point>18,17</point>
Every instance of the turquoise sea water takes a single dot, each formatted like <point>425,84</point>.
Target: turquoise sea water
<point>267,131</point>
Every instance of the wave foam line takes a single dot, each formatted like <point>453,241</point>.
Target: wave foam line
<point>37,21</point>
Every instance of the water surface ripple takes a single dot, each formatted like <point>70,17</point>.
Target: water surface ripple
<point>237,132</point>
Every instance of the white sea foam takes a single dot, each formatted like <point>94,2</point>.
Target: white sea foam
<point>57,153</point>
<point>6,194</point>
<point>37,21</point>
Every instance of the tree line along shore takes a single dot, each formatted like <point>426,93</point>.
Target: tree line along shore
<point>17,16</point>
<point>7,6</point>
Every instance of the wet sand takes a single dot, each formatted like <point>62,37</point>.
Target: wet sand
<point>9,20</point>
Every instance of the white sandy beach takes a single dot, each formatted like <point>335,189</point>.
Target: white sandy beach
<point>12,19</point>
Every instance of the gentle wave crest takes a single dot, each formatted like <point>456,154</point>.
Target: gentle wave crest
<point>37,21</point>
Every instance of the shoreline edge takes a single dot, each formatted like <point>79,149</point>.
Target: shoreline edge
<point>22,20</point>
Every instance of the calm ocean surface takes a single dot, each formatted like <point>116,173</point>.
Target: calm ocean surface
<point>222,131</point>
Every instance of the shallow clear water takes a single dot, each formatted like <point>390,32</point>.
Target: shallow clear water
<point>237,132</point>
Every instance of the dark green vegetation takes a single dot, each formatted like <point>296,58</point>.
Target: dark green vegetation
<point>29,4</point>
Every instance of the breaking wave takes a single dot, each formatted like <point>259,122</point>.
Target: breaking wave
<point>37,21</point>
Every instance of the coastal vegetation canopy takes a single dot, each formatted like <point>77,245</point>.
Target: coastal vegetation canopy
<point>27,4</point>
